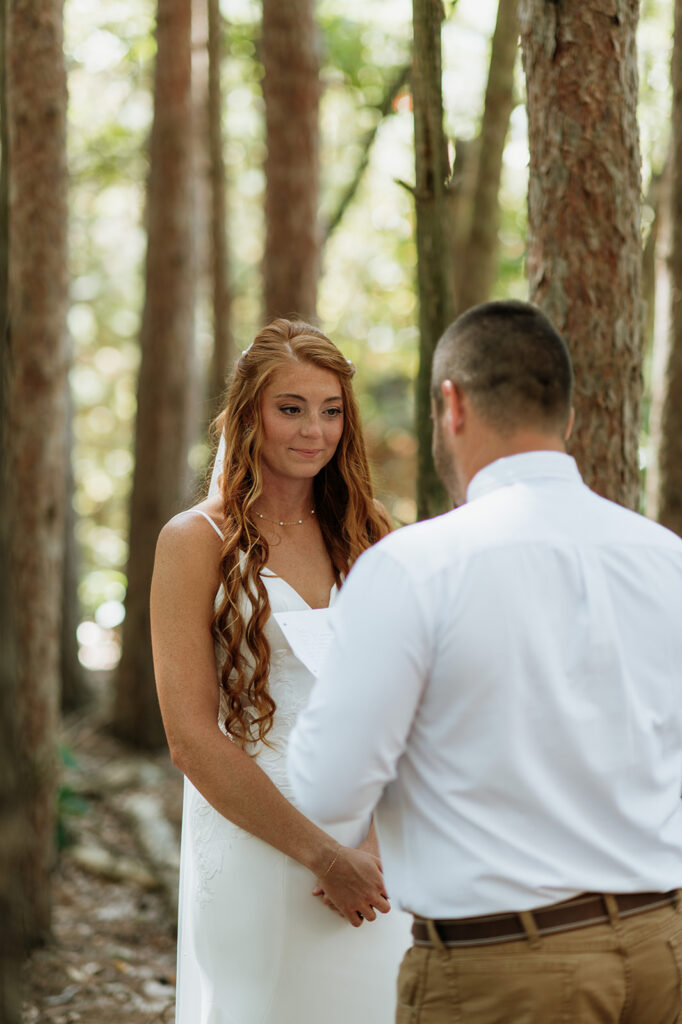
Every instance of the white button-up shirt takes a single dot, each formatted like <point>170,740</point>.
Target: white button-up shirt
<point>505,687</point>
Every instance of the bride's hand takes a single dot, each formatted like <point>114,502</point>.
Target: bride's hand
<point>321,894</point>
<point>354,886</point>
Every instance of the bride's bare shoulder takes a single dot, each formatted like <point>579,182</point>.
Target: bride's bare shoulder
<point>196,532</point>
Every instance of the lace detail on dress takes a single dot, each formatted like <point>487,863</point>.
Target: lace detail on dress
<point>212,836</point>
<point>209,854</point>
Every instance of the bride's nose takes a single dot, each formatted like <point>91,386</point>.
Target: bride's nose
<point>311,425</point>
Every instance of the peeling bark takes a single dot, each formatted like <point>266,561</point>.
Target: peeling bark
<point>584,247</point>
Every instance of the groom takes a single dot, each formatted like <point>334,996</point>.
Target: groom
<point>504,686</point>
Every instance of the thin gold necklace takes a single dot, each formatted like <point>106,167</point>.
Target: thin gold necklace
<point>280,522</point>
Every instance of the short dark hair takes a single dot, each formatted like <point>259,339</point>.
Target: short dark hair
<point>511,361</point>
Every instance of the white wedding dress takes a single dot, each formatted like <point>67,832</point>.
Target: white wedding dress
<point>254,946</point>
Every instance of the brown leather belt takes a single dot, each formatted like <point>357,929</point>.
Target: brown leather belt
<point>579,912</point>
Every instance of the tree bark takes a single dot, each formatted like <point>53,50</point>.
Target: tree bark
<point>475,278</point>
<point>291,90</point>
<point>13,823</point>
<point>36,451</point>
<point>584,246</point>
<point>670,451</point>
<point>223,343</point>
<point>164,410</point>
<point>434,275</point>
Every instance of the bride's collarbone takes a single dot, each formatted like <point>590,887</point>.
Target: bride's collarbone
<point>306,568</point>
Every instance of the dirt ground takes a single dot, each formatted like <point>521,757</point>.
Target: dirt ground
<point>112,957</point>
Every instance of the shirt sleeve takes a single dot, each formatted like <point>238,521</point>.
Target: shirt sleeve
<point>346,744</point>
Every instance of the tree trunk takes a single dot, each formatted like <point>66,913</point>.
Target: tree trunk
<point>385,108</point>
<point>223,344</point>
<point>584,246</point>
<point>476,277</point>
<point>13,824</point>
<point>660,343</point>
<point>655,199</point>
<point>291,90</point>
<point>74,691</point>
<point>670,452</point>
<point>36,451</point>
<point>166,373</point>
<point>434,276</point>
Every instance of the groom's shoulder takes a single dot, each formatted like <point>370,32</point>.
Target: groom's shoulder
<point>420,547</point>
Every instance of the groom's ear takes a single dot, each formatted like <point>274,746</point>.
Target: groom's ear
<point>453,406</point>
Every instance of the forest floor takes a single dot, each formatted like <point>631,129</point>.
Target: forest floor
<point>112,955</point>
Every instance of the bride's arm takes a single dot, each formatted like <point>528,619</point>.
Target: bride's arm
<point>184,585</point>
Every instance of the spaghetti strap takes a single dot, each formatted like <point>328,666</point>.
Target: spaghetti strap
<point>209,520</point>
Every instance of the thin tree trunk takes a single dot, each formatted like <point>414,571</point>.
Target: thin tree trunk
<point>13,822</point>
<point>655,199</point>
<point>166,373</point>
<point>584,247</point>
<point>434,276</point>
<point>670,453</point>
<point>393,88</point>
<point>74,692</point>
<point>660,342</point>
<point>475,278</point>
<point>291,90</point>
<point>223,343</point>
<point>36,456</point>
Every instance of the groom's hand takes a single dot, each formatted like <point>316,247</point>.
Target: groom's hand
<point>354,886</point>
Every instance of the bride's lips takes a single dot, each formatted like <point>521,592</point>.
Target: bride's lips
<point>307,453</point>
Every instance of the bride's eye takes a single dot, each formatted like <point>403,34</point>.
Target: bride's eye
<point>334,412</point>
<point>289,410</point>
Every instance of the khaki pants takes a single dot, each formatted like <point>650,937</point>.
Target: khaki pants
<point>628,972</point>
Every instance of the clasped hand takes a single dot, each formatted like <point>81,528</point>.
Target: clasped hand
<point>354,887</point>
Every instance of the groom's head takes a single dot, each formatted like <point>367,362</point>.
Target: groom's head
<point>501,382</point>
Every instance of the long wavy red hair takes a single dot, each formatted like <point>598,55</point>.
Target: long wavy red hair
<point>345,509</point>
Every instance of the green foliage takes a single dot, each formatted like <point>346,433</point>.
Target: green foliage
<point>69,803</point>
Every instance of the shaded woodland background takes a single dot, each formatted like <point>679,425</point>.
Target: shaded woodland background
<point>374,166</point>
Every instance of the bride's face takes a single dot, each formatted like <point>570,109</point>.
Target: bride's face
<point>302,416</point>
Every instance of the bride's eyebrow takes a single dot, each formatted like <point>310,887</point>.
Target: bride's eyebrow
<point>300,398</point>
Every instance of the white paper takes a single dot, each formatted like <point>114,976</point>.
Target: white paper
<point>308,633</point>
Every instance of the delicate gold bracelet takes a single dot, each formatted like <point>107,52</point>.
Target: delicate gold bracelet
<point>334,859</point>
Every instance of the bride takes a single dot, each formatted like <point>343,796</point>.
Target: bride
<point>267,899</point>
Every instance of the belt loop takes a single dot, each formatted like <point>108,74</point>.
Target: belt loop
<point>530,928</point>
<point>433,935</point>
<point>611,908</point>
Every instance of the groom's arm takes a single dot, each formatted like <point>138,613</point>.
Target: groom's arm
<point>346,744</point>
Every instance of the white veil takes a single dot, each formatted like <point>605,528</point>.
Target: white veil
<point>214,487</point>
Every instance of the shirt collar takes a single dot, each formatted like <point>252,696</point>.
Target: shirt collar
<point>540,465</point>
